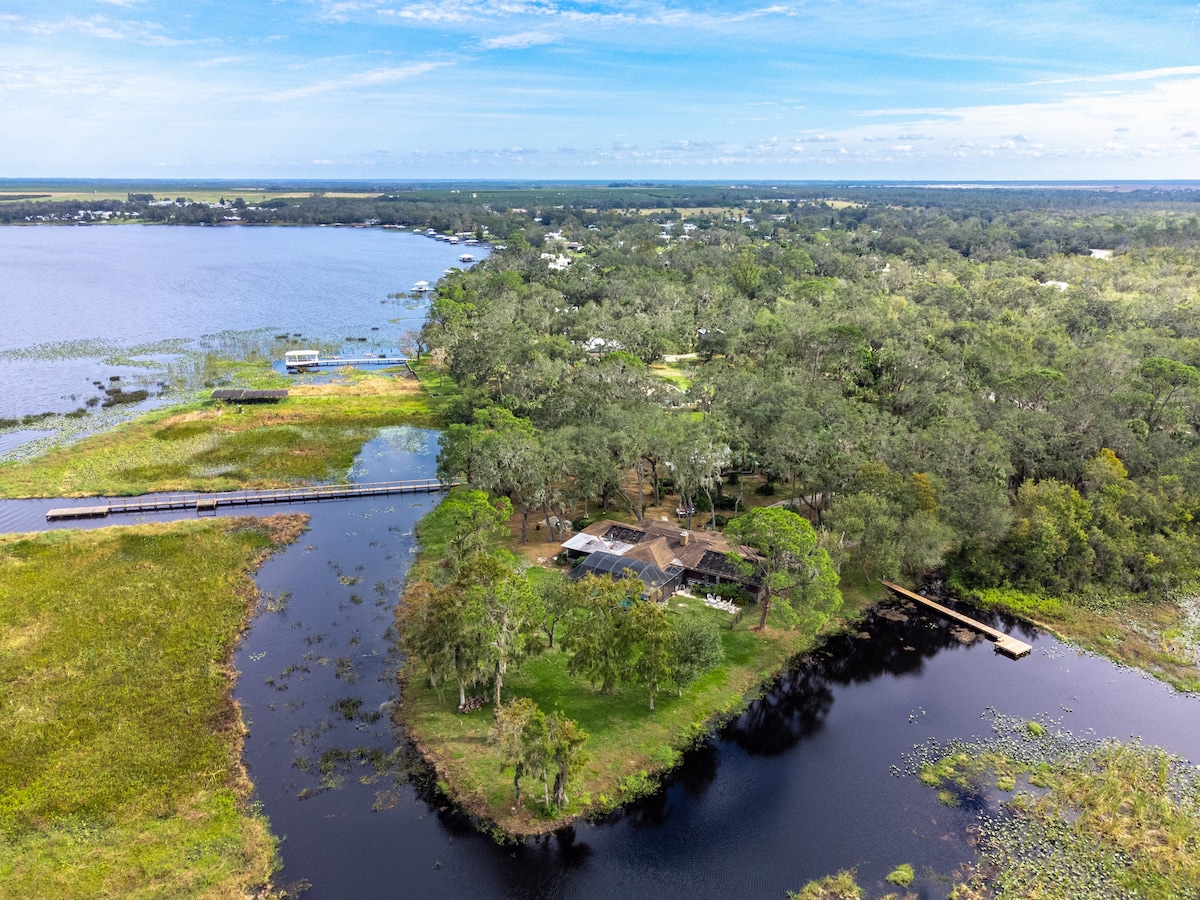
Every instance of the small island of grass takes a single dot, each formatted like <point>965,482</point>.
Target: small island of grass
<point>312,436</point>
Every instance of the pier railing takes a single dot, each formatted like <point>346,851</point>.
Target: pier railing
<point>202,503</point>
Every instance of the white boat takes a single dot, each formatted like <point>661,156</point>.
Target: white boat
<point>420,287</point>
<point>466,257</point>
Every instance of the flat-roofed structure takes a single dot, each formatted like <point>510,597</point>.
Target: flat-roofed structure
<point>301,359</point>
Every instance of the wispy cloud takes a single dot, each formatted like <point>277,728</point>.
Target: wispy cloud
<point>1113,77</point>
<point>519,41</point>
<point>369,78</point>
<point>98,26</point>
<point>453,12</point>
<point>220,61</point>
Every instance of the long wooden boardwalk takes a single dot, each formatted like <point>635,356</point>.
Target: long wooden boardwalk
<point>1005,643</point>
<point>203,503</point>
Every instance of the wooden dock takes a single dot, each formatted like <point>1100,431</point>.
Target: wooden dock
<point>1005,643</point>
<point>210,503</point>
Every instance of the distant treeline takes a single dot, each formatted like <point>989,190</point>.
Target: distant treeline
<point>906,221</point>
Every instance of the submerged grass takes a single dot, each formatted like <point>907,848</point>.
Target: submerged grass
<point>312,436</point>
<point>119,742</point>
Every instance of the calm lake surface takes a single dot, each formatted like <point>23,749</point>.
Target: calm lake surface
<point>802,785</point>
<point>82,305</point>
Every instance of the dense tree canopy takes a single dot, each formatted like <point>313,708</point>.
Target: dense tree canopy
<point>927,375</point>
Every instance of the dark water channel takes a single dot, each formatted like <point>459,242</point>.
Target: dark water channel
<point>804,784</point>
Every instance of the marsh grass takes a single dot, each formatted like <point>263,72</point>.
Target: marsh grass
<point>119,742</point>
<point>1088,819</point>
<point>842,886</point>
<point>312,436</point>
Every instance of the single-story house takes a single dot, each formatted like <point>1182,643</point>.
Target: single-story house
<point>663,555</point>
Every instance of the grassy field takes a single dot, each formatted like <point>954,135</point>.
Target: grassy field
<point>629,744</point>
<point>311,436</point>
<point>120,770</point>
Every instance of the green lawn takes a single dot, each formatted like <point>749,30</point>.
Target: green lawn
<point>629,744</point>
<point>120,771</point>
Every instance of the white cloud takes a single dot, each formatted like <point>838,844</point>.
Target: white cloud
<point>1141,75</point>
<point>370,78</point>
<point>98,26</point>
<point>519,41</point>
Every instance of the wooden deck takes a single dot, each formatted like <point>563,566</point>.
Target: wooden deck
<point>210,503</point>
<point>1005,643</point>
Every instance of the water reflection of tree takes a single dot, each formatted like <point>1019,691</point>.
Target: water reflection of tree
<point>693,777</point>
<point>796,706</point>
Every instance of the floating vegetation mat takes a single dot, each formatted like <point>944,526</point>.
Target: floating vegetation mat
<point>1065,817</point>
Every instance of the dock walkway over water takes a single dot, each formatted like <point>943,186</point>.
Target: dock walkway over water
<point>1005,643</point>
<point>299,360</point>
<point>209,503</point>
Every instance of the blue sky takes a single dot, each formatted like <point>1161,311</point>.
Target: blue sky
<point>397,89</point>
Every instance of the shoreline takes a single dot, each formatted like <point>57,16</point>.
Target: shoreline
<point>639,775</point>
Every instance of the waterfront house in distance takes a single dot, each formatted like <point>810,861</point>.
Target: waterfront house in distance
<point>663,555</point>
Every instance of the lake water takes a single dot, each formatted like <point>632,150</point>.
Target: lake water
<point>83,306</point>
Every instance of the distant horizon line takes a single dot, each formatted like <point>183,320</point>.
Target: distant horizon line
<point>255,182</point>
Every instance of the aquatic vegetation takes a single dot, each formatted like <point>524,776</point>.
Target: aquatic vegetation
<point>902,875</point>
<point>1097,819</point>
<point>841,886</point>
<point>312,437</point>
